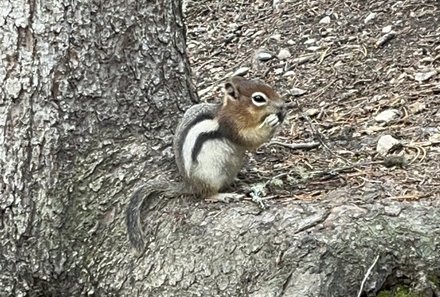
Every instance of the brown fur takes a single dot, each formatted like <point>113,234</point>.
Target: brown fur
<point>243,118</point>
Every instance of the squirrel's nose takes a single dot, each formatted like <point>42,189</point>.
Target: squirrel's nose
<point>282,114</point>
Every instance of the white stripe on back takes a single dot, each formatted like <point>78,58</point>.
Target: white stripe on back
<point>204,126</point>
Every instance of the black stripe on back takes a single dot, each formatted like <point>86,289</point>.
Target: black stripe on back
<point>201,139</point>
<point>199,118</point>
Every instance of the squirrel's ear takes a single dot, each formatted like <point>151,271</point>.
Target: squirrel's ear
<point>231,91</point>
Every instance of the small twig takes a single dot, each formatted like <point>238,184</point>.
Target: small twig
<point>324,55</point>
<point>296,146</point>
<point>319,135</point>
<point>385,38</point>
<point>366,276</point>
<point>419,149</point>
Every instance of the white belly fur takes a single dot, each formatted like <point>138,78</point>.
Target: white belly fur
<point>217,163</point>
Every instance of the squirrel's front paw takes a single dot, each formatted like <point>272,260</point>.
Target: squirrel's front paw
<point>271,121</point>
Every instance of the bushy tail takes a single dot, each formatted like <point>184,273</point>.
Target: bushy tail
<point>145,193</point>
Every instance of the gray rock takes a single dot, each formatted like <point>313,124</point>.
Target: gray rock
<point>241,71</point>
<point>393,210</point>
<point>417,107</point>
<point>387,116</point>
<point>297,91</point>
<point>370,17</point>
<point>284,54</point>
<point>278,71</point>
<point>325,20</point>
<point>387,29</point>
<point>422,76</point>
<point>386,143</point>
<point>314,48</point>
<point>289,73</point>
<point>312,112</point>
<point>263,56</point>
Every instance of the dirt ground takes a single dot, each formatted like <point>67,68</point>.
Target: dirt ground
<point>349,61</point>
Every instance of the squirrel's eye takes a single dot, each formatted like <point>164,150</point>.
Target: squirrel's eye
<point>259,99</point>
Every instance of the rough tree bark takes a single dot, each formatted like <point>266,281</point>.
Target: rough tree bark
<point>91,92</point>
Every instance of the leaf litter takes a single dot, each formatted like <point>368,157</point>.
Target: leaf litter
<point>357,60</point>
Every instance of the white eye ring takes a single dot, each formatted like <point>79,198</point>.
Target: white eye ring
<point>259,99</point>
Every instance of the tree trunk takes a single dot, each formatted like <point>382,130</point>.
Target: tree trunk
<point>91,93</point>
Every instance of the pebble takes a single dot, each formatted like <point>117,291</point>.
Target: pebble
<point>312,112</point>
<point>426,60</point>
<point>276,37</point>
<point>325,20</point>
<point>387,29</point>
<point>289,73</point>
<point>275,3</point>
<point>386,143</point>
<point>314,48</point>
<point>284,54</point>
<point>297,92</point>
<point>393,210</point>
<point>263,56</point>
<point>435,138</point>
<point>387,116</point>
<point>241,71</point>
<point>370,17</point>
<point>417,107</point>
<point>422,76</point>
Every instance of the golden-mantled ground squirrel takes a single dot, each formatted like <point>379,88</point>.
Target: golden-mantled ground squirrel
<point>210,145</point>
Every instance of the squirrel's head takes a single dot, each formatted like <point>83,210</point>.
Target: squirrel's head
<point>248,102</point>
<point>253,99</point>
